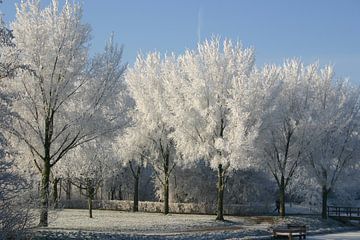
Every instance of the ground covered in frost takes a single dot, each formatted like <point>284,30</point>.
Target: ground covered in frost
<point>75,224</point>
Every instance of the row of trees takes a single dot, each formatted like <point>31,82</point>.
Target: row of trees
<point>77,115</point>
<point>213,104</point>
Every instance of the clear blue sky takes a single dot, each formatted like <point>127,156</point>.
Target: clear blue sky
<point>324,30</point>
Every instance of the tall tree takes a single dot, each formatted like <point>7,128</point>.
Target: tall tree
<point>146,81</point>
<point>333,120</point>
<point>63,98</point>
<point>209,99</point>
<point>280,145</point>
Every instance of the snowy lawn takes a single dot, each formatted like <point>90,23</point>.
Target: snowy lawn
<point>338,236</point>
<point>75,224</point>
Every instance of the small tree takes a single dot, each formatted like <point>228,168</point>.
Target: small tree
<point>89,165</point>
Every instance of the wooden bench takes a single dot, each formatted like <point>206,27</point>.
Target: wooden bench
<point>290,230</point>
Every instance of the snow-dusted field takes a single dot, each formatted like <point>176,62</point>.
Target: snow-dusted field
<point>338,236</point>
<point>75,224</point>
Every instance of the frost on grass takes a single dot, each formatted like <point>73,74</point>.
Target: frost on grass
<point>75,224</point>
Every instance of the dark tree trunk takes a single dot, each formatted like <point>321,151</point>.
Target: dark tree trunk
<point>90,205</point>
<point>60,189</point>
<point>80,192</point>
<point>90,194</point>
<point>120,193</point>
<point>45,174</point>
<point>39,189</point>
<point>55,192</point>
<point>136,190</point>
<point>166,185</point>
<point>112,194</point>
<point>282,196</point>
<point>220,194</point>
<point>68,189</point>
<point>166,195</point>
<point>325,193</point>
<point>44,193</point>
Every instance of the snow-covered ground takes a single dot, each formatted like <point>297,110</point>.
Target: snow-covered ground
<point>75,224</point>
<point>337,236</point>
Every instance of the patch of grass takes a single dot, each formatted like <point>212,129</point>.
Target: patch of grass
<point>263,219</point>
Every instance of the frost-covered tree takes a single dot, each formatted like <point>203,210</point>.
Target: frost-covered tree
<point>280,144</point>
<point>63,99</point>
<point>147,82</point>
<point>15,215</point>
<point>89,165</point>
<point>133,152</point>
<point>333,131</point>
<point>210,101</point>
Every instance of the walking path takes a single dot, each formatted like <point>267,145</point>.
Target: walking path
<point>337,236</point>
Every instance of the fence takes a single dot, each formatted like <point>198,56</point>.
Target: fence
<point>351,212</point>
<point>194,208</point>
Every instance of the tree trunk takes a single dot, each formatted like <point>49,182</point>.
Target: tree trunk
<point>60,189</point>
<point>90,204</point>
<point>166,195</point>
<point>39,189</point>
<point>282,197</point>
<point>120,193</point>
<point>90,194</point>
<point>166,185</point>
<point>45,175</point>
<point>220,194</point>
<point>55,192</point>
<point>44,193</point>
<point>325,193</point>
<point>68,189</point>
<point>112,194</point>
<point>136,190</point>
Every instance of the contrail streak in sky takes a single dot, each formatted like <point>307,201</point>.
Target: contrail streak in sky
<point>199,25</point>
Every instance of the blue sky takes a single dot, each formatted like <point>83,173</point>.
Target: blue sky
<point>324,30</point>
